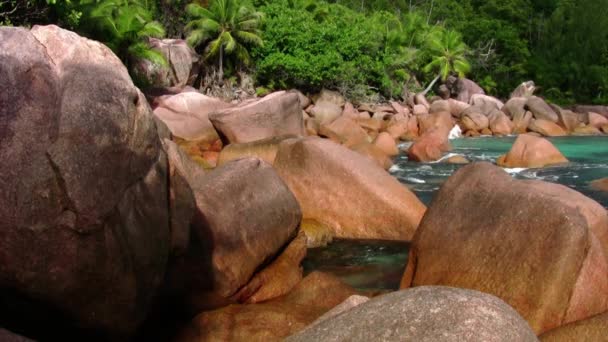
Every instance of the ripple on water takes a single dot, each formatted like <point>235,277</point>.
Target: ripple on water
<point>588,156</point>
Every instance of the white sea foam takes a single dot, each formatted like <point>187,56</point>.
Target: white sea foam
<point>415,180</point>
<point>449,155</point>
<point>395,168</point>
<point>515,169</point>
<point>455,133</point>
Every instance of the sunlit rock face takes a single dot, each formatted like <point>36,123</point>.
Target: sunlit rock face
<point>541,247</point>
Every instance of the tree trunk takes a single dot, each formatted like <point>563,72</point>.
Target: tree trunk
<point>431,85</point>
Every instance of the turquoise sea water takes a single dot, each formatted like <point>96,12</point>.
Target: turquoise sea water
<point>376,265</point>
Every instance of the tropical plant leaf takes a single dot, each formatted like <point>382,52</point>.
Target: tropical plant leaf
<point>142,50</point>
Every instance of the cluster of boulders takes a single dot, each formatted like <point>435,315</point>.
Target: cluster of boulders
<point>109,208</point>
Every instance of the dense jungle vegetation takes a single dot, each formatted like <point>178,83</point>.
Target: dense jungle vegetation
<point>359,47</point>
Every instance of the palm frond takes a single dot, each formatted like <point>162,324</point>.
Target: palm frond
<point>196,37</point>
<point>142,50</point>
<point>213,48</point>
<point>248,38</point>
<point>197,11</point>
<point>228,41</point>
<point>151,29</point>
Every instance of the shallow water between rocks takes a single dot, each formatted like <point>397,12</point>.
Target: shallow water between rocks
<point>378,265</point>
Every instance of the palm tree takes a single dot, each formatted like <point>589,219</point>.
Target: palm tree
<point>447,52</point>
<point>124,26</point>
<point>227,27</point>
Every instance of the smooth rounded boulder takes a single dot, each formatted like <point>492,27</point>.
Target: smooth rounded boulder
<point>181,60</point>
<point>265,149</point>
<point>278,278</point>
<point>386,143</point>
<point>273,320</point>
<point>244,216</point>
<point>346,191</point>
<point>84,233</point>
<point>540,247</point>
<point>462,89</point>
<point>531,151</point>
<point>546,128</point>
<point>273,115</point>
<point>187,115</point>
<point>345,131</point>
<point>430,146</point>
<point>428,313</point>
<point>600,184</point>
<point>540,109</point>
<point>500,123</point>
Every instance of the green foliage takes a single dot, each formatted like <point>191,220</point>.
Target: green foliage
<point>124,26</point>
<point>314,44</point>
<point>447,53</point>
<point>226,28</point>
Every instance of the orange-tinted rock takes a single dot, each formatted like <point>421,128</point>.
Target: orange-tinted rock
<point>457,107</point>
<point>568,119</point>
<point>521,122</point>
<point>345,131</point>
<point>440,106</point>
<point>500,123</point>
<point>430,146</point>
<point>597,120</point>
<point>400,109</point>
<point>475,121</point>
<point>420,110</point>
<point>531,151</point>
<point>600,184</point>
<point>273,320</point>
<point>586,130</point>
<point>278,278</point>
<point>412,129</point>
<point>370,125</point>
<point>486,131</point>
<point>349,111</point>
<point>457,159</point>
<point>605,129</point>
<point>541,247</point>
<point>273,115</point>
<point>382,116</point>
<point>590,329</point>
<point>317,234</point>
<point>265,149</point>
<point>311,127</point>
<point>397,128</point>
<point>386,143</point>
<point>347,191</point>
<point>546,128</point>
<point>374,153</point>
<point>442,121</point>
<point>325,112</point>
